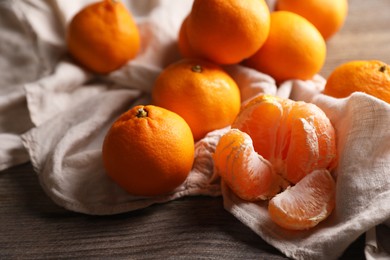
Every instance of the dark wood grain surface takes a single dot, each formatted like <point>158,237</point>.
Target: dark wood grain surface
<point>32,226</point>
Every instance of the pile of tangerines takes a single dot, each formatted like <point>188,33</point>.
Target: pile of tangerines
<point>278,150</point>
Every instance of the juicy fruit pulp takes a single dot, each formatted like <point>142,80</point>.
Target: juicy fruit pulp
<point>291,141</point>
<point>306,204</point>
<point>295,137</point>
<point>246,172</point>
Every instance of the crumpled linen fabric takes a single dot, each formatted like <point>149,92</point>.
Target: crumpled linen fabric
<point>56,114</point>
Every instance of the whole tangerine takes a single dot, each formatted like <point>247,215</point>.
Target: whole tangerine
<point>103,36</point>
<point>148,151</point>
<point>369,76</point>
<point>227,31</point>
<point>199,91</point>
<point>328,16</point>
<point>294,49</point>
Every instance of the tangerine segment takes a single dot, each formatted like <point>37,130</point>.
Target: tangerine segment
<point>306,204</point>
<point>312,141</point>
<point>267,113</point>
<point>295,137</point>
<point>248,174</point>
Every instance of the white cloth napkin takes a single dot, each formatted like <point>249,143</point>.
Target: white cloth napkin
<point>69,111</point>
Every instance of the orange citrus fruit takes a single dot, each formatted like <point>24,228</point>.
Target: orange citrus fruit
<point>294,49</point>
<point>274,143</point>
<point>306,204</point>
<point>199,91</point>
<point>290,139</point>
<point>227,31</point>
<point>103,36</point>
<point>369,76</point>
<point>295,137</point>
<point>148,151</point>
<point>327,16</point>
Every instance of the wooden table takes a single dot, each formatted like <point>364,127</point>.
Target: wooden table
<point>32,226</point>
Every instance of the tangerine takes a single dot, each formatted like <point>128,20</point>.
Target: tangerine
<point>274,143</point>
<point>227,31</point>
<point>199,91</point>
<point>294,136</point>
<point>103,36</point>
<point>294,49</point>
<point>148,151</point>
<point>328,16</point>
<point>369,76</point>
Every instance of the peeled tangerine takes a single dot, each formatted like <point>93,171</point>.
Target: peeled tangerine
<point>276,144</point>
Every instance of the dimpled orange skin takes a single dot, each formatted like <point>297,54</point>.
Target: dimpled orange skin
<point>294,49</point>
<point>103,36</point>
<point>227,31</point>
<point>369,76</point>
<point>199,91</point>
<point>328,16</point>
<point>148,154</point>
